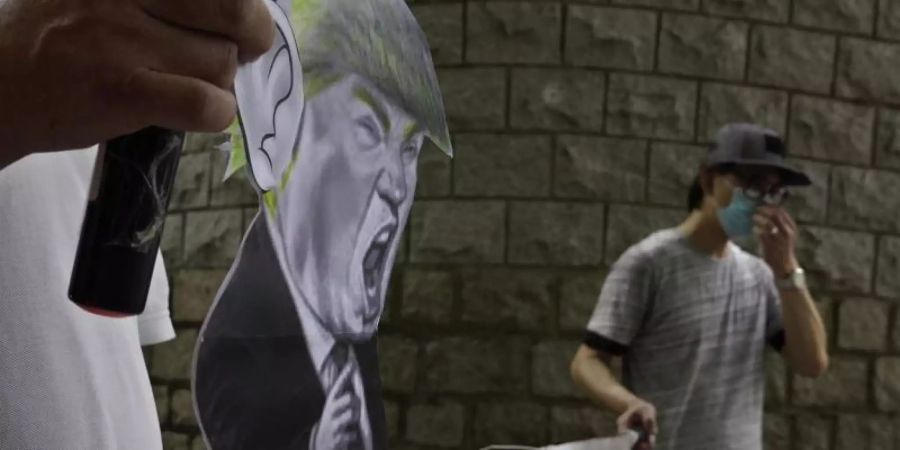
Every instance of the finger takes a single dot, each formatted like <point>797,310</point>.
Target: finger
<point>340,403</point>
<point>345,377</point>
<point>177,102</point>
<point>191,53</point>
<point>787,220</point>
<point>761,220</point>
<point>246,22</point>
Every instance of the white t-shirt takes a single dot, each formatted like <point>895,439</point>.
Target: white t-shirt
<point>69,380</point>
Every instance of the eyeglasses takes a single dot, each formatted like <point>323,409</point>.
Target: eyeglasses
<point>758,187</point>
<point>774,197</point>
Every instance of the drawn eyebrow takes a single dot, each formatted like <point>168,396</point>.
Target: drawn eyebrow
<point>366,97</point>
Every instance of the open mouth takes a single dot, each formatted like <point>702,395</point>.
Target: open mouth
<point>375,258</point>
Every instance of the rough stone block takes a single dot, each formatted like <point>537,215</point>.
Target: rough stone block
<point>776,380</point>
<point>887,283</point>
<point>392,417</point>
<point>557,99</point>
<point>444,231</point>
<point>721,104</point>
<point>440,424</point>
<point>515,299</point>
<point>498,165</point>
<point>476,365</point>
<point>474,98</point>
<point>841,386</point>
<point>556,233</point>
<point>703,46</point>
<point>887,144</point>
<point>889,19</point>
<point>688,5</point>
<point>443,27</point>
<point>812,432</point>
<point>212,238</point>
<point>836,260</point>
<point>887,384</point>
<point>628,225</point>
<point>427,295</point>
<point>870,432</point>
<point>865,70</point>
<point>236,190</point>
<point>175,441</point>
<point>855,16</point>
<point>194,293</point>
<point>651,106</point>
<point>610,37</point>
<point>513,32</point>
<point>569,424</point>
<point>191,189</point>
<point>397,358</point>
<point>776,432</point>
<point>523,423</point>
<point>808,204</point>
<point>831,130</point>
<point>161,399</point>
<point>550,369</point>
<point>578,297</point>
<point>793,59</point>
<point>865,199</point>
<point>767,10</point>
<point>863,325</point>
<point>433,171</point>
<point>673,168</point>
<point>183,408</point>
<point>172,360</point>
<point>601,168</point>
<point>172,239</point>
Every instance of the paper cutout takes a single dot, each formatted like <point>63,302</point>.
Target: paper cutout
<point>332,121</point>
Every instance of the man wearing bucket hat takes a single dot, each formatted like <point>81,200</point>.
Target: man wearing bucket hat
<point>690,313</point>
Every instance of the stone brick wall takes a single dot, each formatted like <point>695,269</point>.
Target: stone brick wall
<point>578,126</point>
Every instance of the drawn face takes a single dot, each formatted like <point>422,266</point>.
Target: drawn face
<point>346,202</point>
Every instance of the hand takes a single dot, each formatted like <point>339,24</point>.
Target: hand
<point>640,416</point>
<point>78,72</point>
<point>777,232</point>
<point>337,426</point>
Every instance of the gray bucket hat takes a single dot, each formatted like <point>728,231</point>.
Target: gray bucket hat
<point>753,145</point>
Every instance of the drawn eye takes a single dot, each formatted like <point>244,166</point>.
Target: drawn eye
<point>368,135</point>
<point>411,150</point>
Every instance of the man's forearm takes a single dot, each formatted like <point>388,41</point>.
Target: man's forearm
<point>595,378</point>
<point>805,347</point>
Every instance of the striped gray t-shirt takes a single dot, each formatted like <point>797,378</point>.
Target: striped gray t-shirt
<point>692,332</point>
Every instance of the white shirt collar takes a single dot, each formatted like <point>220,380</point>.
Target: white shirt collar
<point>318,340</point>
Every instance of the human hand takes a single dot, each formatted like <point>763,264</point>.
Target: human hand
<point>777,232</point>
<point>338,425</point>
<point>640,416</point>
<point>78,72</point>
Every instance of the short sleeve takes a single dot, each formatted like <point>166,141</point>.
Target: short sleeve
<point>623,301</point>
<point>155,323</point>
<point>774,325</point>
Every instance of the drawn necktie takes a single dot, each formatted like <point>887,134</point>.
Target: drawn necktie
<point>340,357</point>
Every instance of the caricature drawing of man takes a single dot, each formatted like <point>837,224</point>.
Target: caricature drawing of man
<point>287,356</point>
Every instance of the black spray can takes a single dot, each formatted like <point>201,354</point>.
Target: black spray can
<point>123,223</point>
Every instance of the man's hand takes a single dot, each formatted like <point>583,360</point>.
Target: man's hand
<point>78,72</point>
<point>640,416</point>
<point>777,232</point>
<point>338,426</point>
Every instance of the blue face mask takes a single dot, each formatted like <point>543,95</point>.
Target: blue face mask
<point>737,218</point>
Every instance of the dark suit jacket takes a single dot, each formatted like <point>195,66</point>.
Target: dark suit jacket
<point>255,384</point>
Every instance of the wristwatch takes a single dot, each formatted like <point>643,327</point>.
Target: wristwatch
<point>794,280</point>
